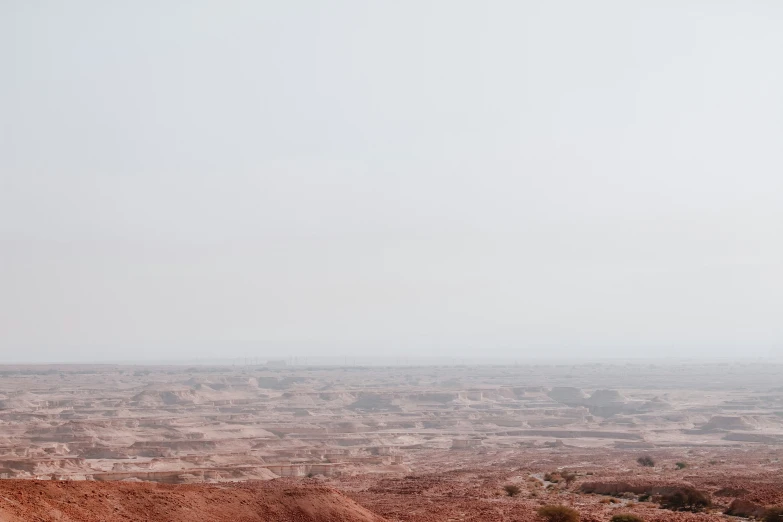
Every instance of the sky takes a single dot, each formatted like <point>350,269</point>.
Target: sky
<point>412,178</point>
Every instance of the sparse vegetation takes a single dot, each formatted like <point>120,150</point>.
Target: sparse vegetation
<point>644,498</point>
<point>646,461</point>
<point>568,477</point>
<point>558,514</point>
<point>681,465</point>
<point>626,517</point>
<point>774,514</point>
<point>685,499</point>
<point>512,490</point>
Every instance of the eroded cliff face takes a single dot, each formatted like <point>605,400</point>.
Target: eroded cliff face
<point>447,438</point>
<point>171,424</point>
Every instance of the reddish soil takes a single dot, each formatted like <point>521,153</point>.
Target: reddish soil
<point>412,444</point>
<point>28,500</point>
<point>474,492</point>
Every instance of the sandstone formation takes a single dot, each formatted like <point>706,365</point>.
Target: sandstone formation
<point>406,443</point>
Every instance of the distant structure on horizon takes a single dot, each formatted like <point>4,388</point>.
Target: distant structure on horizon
<point>276,363</point>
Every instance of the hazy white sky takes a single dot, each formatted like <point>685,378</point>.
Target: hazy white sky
<point>411,177</point>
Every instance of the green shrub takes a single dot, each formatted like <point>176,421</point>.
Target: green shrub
<point>681,465</point>
<point>626,517</point>
<point>558,514</point>
<point>512,490</point>
<point>646,461</point>
<point>685,499</point>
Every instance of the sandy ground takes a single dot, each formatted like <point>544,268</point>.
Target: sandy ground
<point>407,443</point>
<point>118,501</point>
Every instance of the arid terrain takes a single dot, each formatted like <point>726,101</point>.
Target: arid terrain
<point>427,443</point>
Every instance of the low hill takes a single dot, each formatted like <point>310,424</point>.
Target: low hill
<point>88,501</point>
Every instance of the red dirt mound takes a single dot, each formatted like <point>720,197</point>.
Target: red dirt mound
<point>87,501</point>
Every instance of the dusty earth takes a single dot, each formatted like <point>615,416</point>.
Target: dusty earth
<point>116,501</point>
<point>394,443</point>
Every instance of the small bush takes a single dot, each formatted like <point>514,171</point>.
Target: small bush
<point>774,514</point>
<point>512,490</point>
<point>644,498</point>
<point>685,499</point>
<point>558,514</point>
<point>569,478</point>
<point>681,465</point>
<point>552,477</point>
<point>646,461</point>
<point>626,517</point>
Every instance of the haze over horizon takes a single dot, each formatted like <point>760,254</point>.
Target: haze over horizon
<point>428,179</point>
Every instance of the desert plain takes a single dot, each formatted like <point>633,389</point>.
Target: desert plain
<point>395,443</point>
